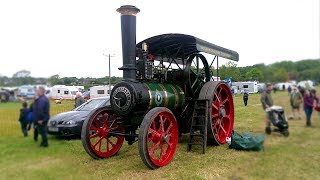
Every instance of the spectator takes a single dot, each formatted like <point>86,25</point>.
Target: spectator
<point>41,115</point>
<point>309,99</point>
<point>275,89</point>
<point>296,99</point>
<point>301,90</point>
<point>79,99</point>
<point>267,101</point>
<point>245,97</point>
<point>23,118</point>
<point>289,90</point>
<point>32,122</point>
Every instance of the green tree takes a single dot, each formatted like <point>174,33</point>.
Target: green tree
<point>22,77</point>
<point>254,74</point>
<point>21,74</point>
<point>54,80</point>
<point>229,70</point>
<point>280,75</point>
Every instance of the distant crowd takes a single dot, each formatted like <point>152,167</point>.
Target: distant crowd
<point>37,115</point>
<point>298,96</point>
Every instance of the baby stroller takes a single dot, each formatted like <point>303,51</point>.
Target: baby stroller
<point>278,119</point>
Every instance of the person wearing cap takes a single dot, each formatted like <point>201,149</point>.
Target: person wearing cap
<point>79,99</point>
<point>295,100</point>
<point>23,118</point>
<point>41,115</point>
<point>267,101</point>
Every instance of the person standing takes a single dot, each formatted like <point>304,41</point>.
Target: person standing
<point>308,105</point>
<point>295,101</point>
<point>79,99</point>
<point>23,118</point>
<point>267,101</point>
<point>41,110</point>
<point>289,90</point>
<point>31,121</point>
<point>245,97</point>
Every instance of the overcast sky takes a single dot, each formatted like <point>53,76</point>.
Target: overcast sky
<point>68,37</point>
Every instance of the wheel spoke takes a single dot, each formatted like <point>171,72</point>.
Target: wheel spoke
<point>94,135</point>
<point>162,121</point>
<point>215,115</point>
<point>219,93</point>
<point>221,127</point>
<point>97,122</point>
<point>214,106</point>
<point>94,128</point>
<point>152,131</point>
<point>224,101</point>
<point>194,83</point>
<point>170,145</point>
<point>169,128</point>
<point>197,88</point>
<point>218,98</point>
<point>197,57</point>
<point>194,63</point>
<point>98,141</point>
<point>193,72</point>
<point>153,148</point>
<point>111,143</point>
<point>153,126</point>
<point>161,151</point>
<point>104,120</point>
<point>100,146</point>
<point>107,144</point>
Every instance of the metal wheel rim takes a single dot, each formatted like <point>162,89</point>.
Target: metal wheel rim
<point>162,138</point>
<point>222,125</point>
<point>101,142</point>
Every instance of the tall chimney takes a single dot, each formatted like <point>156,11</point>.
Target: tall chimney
<point>128,32</point>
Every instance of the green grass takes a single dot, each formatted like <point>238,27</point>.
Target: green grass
<point>295,157</point>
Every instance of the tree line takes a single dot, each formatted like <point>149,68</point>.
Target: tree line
<point>23,78</point>
<point>277,72</point>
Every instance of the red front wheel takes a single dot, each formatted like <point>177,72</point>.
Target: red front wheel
<point>158,137</point>
<point>98,134</point>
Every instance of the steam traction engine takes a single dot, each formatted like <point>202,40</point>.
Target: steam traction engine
<point>166,91</point>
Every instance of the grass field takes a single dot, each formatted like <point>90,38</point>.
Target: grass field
<point>295,157</point>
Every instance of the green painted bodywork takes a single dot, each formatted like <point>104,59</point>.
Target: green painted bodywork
<point>165,95</point>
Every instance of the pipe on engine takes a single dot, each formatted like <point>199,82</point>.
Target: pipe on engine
<point>128,33</point>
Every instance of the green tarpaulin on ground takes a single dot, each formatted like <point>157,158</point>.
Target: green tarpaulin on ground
<point>247,141</point>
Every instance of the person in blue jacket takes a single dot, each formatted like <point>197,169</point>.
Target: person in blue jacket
<point>31,121</point>
<point>40,114</point>
<point>23,118</point>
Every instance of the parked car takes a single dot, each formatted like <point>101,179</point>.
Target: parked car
<point>70,123</point>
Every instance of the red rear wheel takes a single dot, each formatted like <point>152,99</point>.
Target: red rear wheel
<point>221,117</point>
<point>158,137</point>
<point>97,137</point>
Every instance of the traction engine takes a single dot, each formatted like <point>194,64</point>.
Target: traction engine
<point>167,90</point>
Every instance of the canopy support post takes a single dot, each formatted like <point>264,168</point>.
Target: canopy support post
<point>218,68</point>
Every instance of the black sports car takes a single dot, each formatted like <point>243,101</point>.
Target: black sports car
<point>70,123</point>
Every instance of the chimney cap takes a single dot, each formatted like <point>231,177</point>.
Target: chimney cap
<point>128,10</point>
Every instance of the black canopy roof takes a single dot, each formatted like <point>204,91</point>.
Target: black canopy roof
<point>180,46</point>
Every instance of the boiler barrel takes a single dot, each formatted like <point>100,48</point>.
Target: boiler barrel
<point>165,95</point>
<point>136,97</point>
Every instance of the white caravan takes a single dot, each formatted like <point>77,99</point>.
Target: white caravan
<point>250,87</point>
<point>306,84</point>
<point>100,91</point>
<point>63,92</point>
